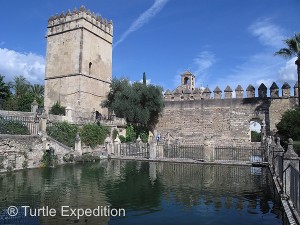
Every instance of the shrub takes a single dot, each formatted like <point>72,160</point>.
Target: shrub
<point>13,127</point>
<point>49,159</point>
<point>63,132</point>
<point>68,158</point>
<point>57,109</point>
<point>114,134</point>
<point>144,136</point>
<point>130,134</point>
<point>122,138</point>
<point>289,125</point>
<point>93,134</point>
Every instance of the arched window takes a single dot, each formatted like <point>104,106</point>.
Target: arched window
<point>255,130</point>
<point>186,81</point>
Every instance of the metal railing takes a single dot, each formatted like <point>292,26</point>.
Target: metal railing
<point>183,151</point>
<point>295,187</point>
<point>240,153</point>
<point>134,149</point>
<point>17,122</point>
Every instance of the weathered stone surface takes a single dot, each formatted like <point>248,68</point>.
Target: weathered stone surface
<point>78,61</point>
<point>26,151</point>
<point>221,121</point>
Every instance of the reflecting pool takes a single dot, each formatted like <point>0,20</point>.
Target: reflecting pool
<point>148,192</point>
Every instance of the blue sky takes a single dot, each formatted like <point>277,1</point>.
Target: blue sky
<point>220,41</point>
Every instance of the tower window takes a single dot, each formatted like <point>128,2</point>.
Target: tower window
<point>90,68</point>
<point>186,81</point>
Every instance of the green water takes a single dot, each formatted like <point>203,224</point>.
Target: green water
<point>150,193</point>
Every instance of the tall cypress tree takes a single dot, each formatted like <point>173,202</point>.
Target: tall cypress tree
<point>144,79</point>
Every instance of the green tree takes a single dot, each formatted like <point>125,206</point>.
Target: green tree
<point>37,90</point>
<point>20,85</point>
<point>289,126</point>
<point>4,88</point>
<point>138,103</point>
<point>144,79</point>
<point>292,49</point>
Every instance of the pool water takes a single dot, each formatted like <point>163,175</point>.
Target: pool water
<point>148,192</point>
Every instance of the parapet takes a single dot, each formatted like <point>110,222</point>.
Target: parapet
<point>180,94</point>
<point>69,21</point>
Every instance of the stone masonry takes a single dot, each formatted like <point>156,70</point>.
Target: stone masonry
<point>195,117</point>
<point>78,60</point>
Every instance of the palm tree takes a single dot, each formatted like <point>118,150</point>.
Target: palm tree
<point>293,49</point>
<point>20,85</point>
<point>37,90</point>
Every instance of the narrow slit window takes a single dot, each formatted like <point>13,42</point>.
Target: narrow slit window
<point>90,68</point>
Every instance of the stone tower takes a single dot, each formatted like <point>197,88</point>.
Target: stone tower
<point>188,80</point>
<point>78,60</point>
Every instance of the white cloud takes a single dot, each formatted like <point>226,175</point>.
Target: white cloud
<point>289,71</point>
<point>143,19</point>
<point>203,62</point>
<point>148,81</point>
<point>199,67</point>
<point>268,34</point>
<point>259,68</point>
<point>29,65</point>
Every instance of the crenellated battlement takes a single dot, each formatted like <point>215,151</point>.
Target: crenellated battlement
<point>184,93</point>
<point>78,19</point>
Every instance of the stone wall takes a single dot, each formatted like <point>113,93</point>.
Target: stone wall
<point>26,151</point>
<point>221,121</point>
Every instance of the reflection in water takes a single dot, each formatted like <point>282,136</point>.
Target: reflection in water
<point>151,193</point>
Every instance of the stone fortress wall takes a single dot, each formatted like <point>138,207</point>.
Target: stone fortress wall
<point>193,116</point>
<point>78,60</point>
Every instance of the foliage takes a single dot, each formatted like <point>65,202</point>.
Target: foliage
<point>63,132</point>
<point>144,136</point>
<point>138,103</point>
<point>297,147</point>
<point>292,49</point>
<point>122,138</point>
<point>37,90</point>
<point>4,88</point>
<point>68,158</point>
<point>143,132</point>
<point>20,85</point>
<point>289,126</point>
<point>13,127</point>
<point>144,79</point>
<point>130,134</point>
<point>25,94</point>
<point>22,103</point>
<point>133,131</point>
<point>49,159</point>
<point>93,134</point>
<point>2,162</point>
<point>57,109</point>
<point>114,134</point>
<point>86,157</point>
<point>255,136</point>
<point>25,164</point>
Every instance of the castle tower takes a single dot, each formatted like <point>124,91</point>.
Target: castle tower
<point>78,60</point>
<point>188,80</point>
